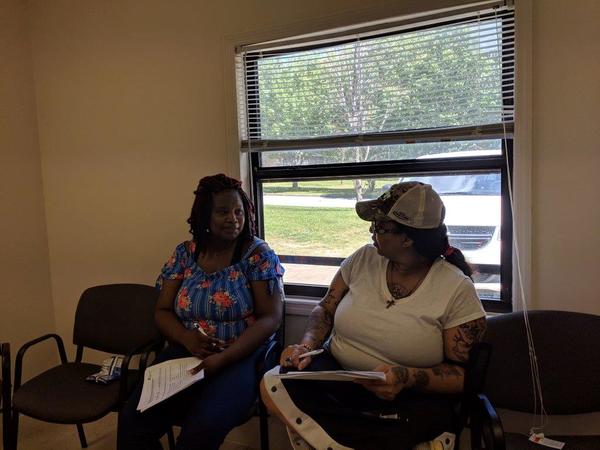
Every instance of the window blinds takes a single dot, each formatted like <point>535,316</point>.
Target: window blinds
<point>431,79</point>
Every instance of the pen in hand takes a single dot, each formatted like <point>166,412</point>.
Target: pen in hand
<point>212,344</point>
<point>311,353</point>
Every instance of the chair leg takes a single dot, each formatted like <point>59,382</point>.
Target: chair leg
<point>6,428</point>
<point>171,438</point>
<point>81,435</point>
<point>263,419</point>
<point>14,430</point>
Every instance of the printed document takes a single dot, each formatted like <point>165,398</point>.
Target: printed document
<point>333,375</point>
<point>166,379</point>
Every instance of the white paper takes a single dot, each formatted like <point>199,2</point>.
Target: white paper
<point>166,379</point>
<point>539,438</point>
<point>333,375</point>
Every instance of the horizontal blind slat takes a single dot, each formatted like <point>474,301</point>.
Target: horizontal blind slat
<point>494,131</point>
<point>376,91</point>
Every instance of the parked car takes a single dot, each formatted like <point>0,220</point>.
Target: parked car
<point>473,217</point>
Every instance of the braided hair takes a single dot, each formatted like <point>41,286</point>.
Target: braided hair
<point>199,219</point>
<point>433,243</point>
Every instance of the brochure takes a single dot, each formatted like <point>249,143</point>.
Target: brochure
<point>333,375</point>
<point>166,379</point>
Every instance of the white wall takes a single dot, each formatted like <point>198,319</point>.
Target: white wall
<point>133,106</point>
<point>26,308</point>
<point>566,160</point>
<point>132,99</point>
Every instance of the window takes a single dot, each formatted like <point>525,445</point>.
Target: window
<point>337,118</point>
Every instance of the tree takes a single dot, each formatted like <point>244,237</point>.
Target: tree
<point>378,85</point>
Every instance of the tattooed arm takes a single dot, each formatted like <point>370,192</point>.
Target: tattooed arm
<point>320,324</point>
<point>444,378</point>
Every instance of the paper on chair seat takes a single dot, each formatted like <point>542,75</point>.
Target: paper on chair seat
<point>333,375</point>
<point>163,380</point>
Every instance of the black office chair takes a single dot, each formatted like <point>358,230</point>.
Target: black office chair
<point>5,399</point>
<point>476,372</point>
<point>116,319</point>
<point>567,346</point>
<point>270,360</point>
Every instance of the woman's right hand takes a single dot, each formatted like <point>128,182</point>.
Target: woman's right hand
<point>290,357</point>
<point>200,345</point>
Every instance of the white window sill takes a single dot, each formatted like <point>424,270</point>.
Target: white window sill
<point>299,306</point>
<point>302,306</point>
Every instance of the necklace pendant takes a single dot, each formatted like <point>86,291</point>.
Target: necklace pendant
<point>390,303</point>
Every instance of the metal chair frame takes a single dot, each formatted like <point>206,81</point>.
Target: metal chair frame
<point>149,344</point>
<point>5,401</point>
<point>567,352</point>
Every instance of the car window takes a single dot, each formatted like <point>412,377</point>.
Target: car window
<point>484,184</point>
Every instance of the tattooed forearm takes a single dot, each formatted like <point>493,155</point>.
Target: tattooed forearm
<point>320,321</point>
<point>331,299</point>
<point>467,334</point>
<point>447,370</point>
<point>443,378</point>
<point>318,326</point>
<point>401,374</point>
<point>421,379</point>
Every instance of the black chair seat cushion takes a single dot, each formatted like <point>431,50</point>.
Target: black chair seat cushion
<point>68,397</point>
<point>516,441</point>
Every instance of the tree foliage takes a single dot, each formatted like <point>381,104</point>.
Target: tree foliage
<point>385,84</point>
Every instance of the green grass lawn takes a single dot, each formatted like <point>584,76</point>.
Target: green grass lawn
<point>324,188</point>
<point>309,231</point>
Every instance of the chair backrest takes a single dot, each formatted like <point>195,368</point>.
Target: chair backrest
<point>116,318</point>
<point>567,345</point>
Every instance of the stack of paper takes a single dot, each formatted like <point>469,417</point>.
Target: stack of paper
<point>166,379</point>
<point>334,375</point>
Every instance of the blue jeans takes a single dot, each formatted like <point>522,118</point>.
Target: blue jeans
<point>206,411</point>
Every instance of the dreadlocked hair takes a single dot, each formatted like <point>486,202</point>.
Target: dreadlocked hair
<point>199,219</point>
<point>433,243</point>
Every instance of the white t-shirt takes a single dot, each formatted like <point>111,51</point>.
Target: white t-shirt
<point>366,334</point>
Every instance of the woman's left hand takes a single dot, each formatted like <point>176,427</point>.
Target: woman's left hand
<point>396,379</point>
<point>211,365</point>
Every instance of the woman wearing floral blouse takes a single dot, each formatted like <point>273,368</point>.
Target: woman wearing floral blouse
<point>220,299</point>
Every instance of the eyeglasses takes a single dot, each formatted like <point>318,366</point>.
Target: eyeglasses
<point>376,230</point>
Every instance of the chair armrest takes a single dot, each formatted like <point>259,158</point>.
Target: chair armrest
<point>27,345</point>
<point>142,350</point>
<point>5,379</point>
<point>271,358</point>
<point>6,402</point>
<point>486,425</point>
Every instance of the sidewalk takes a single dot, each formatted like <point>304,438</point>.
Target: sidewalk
<point>308,200</point>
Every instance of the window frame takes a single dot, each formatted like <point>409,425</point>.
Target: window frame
<point>502,163</point>
<point>382,168</point>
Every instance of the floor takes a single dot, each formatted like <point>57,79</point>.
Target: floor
<point>101,435</point>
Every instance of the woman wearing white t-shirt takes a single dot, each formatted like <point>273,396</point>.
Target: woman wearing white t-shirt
<point>405,306</point>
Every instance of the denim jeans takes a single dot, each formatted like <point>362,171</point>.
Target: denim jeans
<point>206,411</point>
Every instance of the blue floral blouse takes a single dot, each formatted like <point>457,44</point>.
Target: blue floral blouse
<point>220,303</point>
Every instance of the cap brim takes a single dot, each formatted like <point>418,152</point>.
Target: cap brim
<point>369,210</point>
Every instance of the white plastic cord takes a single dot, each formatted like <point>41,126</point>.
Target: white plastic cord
<point>534,367</point>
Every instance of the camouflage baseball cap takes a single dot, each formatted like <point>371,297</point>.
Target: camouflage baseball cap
<point>410,203</point>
